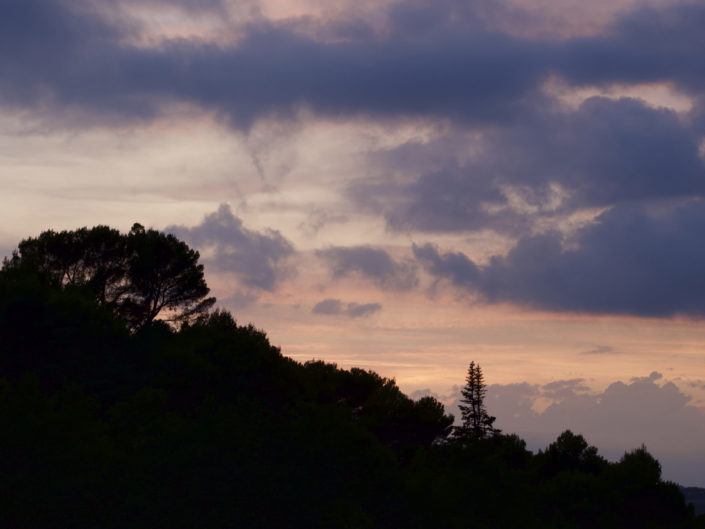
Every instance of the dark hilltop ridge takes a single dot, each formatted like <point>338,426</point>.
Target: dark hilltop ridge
<point>126,401</point>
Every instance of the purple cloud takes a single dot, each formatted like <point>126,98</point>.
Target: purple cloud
<point>439,60</point>
<point>336,307</point>
<point>370,263</point>
<point>257,258</point>
<point>630,261</point>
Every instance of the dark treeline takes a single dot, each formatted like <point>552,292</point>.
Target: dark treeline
<point>113,418</point>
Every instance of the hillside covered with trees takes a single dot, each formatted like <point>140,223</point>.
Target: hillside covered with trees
<point>127,402</point>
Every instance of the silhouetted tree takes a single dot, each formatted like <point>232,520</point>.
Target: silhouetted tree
<point>140,276</point>
<point>163,275</point>
<point>570,452</point>
<point>93,259</point>
<point>476,421</point>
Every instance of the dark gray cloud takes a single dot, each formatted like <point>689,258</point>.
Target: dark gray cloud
<point>604,153</point>
<point>455,266</point>
<point>435,60</point>
<point>352,310</point>
<point>328,306</point>
<point>647,45</point>
<point>257,258</point>
<point>61,56</point>
<point>448,199</point>
<point>370,263</point>
<point>631,261</point>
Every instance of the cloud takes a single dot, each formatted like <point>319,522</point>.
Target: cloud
<point>351,310</point>
<point>256,258</point>
<point>631,261</point>
<point>653,377</point>
<point>599,350</point>
<point>620,418</point>
<point>319,218</point>
<point>328,306</point>
<point>564,388</point>
<point>436,60</point>
<point>450,198</point>
<point>190,6</point>
<point>370,263</point>
<point>70,58</point>
<point>455,266</point>
<point>355,310</point>
<point>649,44</point>
<point>56,54</point>
<point>606,152</point>
<point>548,164</point>
<point>239,300</point>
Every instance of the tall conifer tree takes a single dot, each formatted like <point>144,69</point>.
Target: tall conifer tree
<point>476,421</point>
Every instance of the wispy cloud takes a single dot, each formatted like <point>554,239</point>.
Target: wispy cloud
<point>600,350</point>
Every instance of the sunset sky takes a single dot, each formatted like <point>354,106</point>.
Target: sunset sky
<point>403,186</point>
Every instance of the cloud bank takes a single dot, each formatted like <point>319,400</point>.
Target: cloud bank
<point>647,410</point>
<point>630,261</point>
<point>435,61</point>
<point>622,417</point>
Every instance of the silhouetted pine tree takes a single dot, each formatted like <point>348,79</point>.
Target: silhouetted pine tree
<point>476,421</point>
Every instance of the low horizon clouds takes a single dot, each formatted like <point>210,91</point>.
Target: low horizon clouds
<point>647,410</point>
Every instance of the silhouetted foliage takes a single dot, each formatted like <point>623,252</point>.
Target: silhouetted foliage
<point>476,421</point>
<point>209,425</point>
<point>570,452</point>
<point>139,275</point>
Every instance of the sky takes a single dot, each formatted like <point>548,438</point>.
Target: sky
<point>403,186</point>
